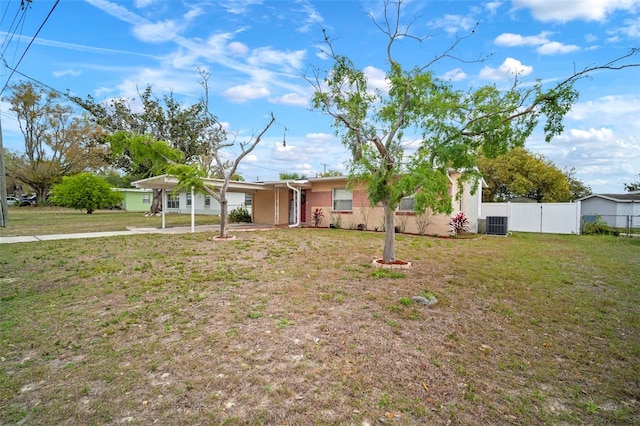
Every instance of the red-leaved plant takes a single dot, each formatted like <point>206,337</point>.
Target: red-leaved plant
<point>317,217</point>
<point>459,225</point>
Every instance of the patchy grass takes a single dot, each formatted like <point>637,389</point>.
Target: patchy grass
<point>293,326</point>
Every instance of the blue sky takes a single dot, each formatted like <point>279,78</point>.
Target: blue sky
<point>257,51</point>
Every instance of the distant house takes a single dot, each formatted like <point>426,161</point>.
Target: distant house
<point>615,209</point>
<point>135,200</point>
<point>291,203</point>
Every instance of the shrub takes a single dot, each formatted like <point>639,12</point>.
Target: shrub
<point>459,224</point>
<point>85,191</point>
<point>336,221</point>
<point>239,215</point>
<point>317,217</point>
<point>599,227</point>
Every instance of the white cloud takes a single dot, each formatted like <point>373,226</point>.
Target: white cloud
<point>600,141</point>
<point>631,28</point>
<point>193,13</point>
<point>251,158</point>
<point>237,48</point>
<point>493,6</point>
<point>611,110</point>
<point>544,45</point>
<point>143,3</point>
<point>568,10</point>
<point>238,7</point>
<point>117,11</point>
<point>291,99</point>
<point>602,134</point>
<point>157,32</point>
<point>454,24</point>
<point>267,56</point>
<point>376,78</point>
<point>245,92</point>
<point>511,39</point>
<point>312,17</point>
<point>65,73</point>
<point>319,137</point>
<point>554,47</point>
<point>456,74</point>
<point>509,68</point>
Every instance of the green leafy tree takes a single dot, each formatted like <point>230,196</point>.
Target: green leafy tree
<point>85,191</point>
<point>633,186</point>
<point>330,173</point>
<point>453,126</point>
<point>185,128</point>
<point>292,176</point>
<point>522,174</point>
<point>57,141</point>
<point>577,188</point>
<point>143,152</point>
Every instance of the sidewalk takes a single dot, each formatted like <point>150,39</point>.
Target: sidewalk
<point>133,231</point>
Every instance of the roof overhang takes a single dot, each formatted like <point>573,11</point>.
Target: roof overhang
<point>618,198</point>
<point>169,182</point>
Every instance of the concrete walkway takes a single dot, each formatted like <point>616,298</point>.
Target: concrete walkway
<point>132,231</point>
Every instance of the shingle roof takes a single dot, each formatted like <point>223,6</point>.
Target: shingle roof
<point>626,197</point>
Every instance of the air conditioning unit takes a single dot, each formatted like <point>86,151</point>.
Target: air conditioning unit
<point>497,225</point>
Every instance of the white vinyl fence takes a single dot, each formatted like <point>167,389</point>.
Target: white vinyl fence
<point>552,218</point>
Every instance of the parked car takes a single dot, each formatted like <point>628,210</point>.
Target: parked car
<point>13,201</point>
<point>30,199</point>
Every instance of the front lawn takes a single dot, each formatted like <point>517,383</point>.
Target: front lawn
<point>296,327</point>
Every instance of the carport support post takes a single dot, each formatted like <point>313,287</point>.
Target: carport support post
<point>193,212</point>
<point>164,206</point>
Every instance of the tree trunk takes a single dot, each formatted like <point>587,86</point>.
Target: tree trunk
<point>389,253</point>
<point>41,196</point>
<point>224,215</point>
<point>156,203</point>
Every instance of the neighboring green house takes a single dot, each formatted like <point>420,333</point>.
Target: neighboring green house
<point>136,200</point>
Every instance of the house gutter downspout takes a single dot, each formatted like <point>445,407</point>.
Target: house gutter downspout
<point>297,206</point>
<point>453,193</point>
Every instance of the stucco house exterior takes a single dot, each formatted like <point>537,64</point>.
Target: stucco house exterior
<point>292,203</point>
<point>614,209</point>
<point>349,208</point>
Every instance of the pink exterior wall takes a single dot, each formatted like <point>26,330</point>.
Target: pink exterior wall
<point>369,218</point>
<point>362,214</point>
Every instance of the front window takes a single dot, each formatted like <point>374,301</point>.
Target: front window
<point>407,204</point>
<point>173,201</point>
<point>189,200</point>
<point>342,199</point>
<point>207,201</point>
<point>146,199</point>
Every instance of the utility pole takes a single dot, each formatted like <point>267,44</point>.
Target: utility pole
<point>4,209</point>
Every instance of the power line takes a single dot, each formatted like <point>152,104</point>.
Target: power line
<point>12,31</point>
<point>29,45</point>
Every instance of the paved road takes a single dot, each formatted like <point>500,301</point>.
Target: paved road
<point>132,231</point>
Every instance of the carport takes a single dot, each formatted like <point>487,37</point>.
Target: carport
<point>168,183</point>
